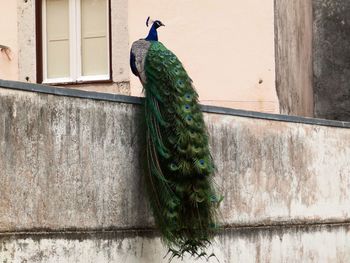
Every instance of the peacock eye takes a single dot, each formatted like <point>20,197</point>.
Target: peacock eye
<point>181,83</point>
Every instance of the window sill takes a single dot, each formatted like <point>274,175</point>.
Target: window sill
<point>67,82</point>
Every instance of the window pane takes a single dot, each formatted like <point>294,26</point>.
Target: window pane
<point>94,40</point>
<point>57,38</point>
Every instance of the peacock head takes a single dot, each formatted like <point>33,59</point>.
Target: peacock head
<point>153,35</point>
<point>155,23</point>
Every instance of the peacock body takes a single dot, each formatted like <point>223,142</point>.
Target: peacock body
<point>179,164</point>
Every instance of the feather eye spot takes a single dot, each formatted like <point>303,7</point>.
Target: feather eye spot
<point>180,83</point>
<point>201,162</point>
<point>188,118</point>
<point>173,166</point>
<point>188,96</point>
<point>187,107</point>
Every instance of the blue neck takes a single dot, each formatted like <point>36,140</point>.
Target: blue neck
<point>152,35</point>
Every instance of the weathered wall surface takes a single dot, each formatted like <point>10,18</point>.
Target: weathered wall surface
<point>312,244</point>
<point>331,59</point>
<point>70,170</point>
<point>293,44</point>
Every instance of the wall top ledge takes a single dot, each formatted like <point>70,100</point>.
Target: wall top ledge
<point>138,100</point>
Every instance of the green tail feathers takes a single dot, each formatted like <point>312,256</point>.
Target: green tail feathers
<point>180,166</point>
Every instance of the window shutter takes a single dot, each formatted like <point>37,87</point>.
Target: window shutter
<point>94,40</point>
<point>57,42</point>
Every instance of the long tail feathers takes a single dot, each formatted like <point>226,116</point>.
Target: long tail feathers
<point>180,166</point>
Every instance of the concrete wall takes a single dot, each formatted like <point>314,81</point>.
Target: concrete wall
<point>294,72</point>
<point>70,170</point>
<point>331,59</point>
<point>310,244</point>
<point>8,37</point>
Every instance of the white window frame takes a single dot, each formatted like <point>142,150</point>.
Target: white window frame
<point>75,47</point>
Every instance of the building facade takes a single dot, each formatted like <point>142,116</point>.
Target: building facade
<point>240,54</point>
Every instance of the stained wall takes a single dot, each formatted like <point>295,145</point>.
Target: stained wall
<point>71,181</point>
<point>331,59</point>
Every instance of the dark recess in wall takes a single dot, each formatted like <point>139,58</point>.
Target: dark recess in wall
<point>331,59</point>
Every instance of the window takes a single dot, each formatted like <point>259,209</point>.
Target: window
<point>75,41</point>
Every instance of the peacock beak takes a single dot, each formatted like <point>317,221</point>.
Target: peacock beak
<point>161,24</point>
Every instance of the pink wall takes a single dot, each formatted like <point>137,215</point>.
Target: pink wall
<point>8,37</point>
<point>227,47</point>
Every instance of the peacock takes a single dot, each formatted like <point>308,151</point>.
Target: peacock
<point>180,168</point>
